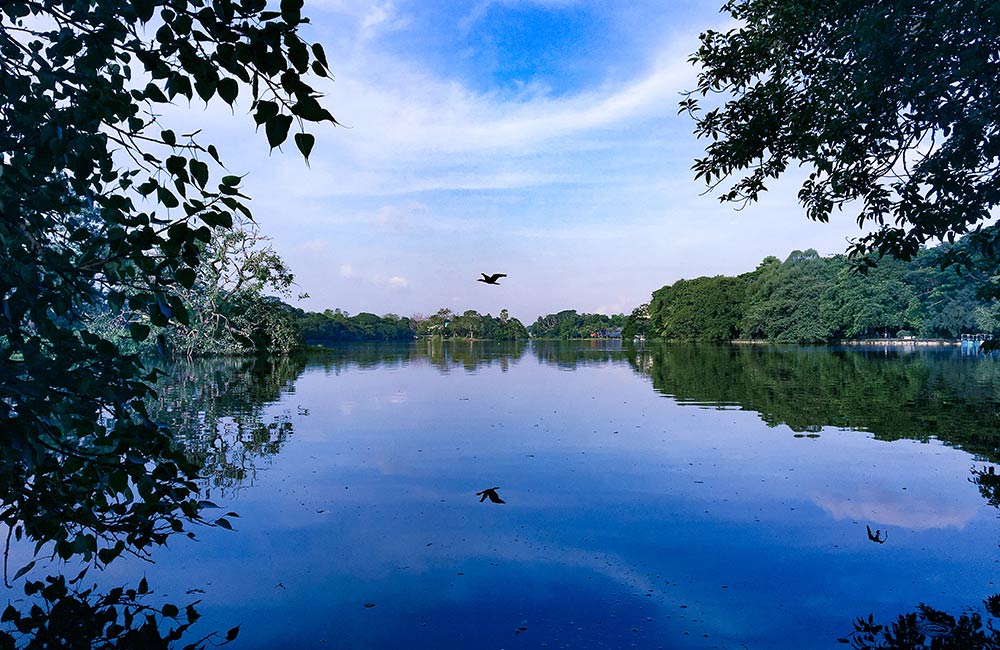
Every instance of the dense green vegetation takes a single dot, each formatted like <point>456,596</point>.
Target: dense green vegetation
<point>317,328</point>
<point>888,105</point>
<point>568,324</point>
<point>813,299</point>
<point>471,325</point>
<point>231,306</point>
<point>805,299</point>
<point>336,325</point>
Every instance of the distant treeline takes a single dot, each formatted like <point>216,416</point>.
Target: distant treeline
<point>568,324</point>
<point>337,325</point>
<point>805,299</point>
<point>813,299</point>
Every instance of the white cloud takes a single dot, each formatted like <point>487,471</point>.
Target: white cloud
<point>394,282</point>
<point>401,216</point>
<point>886,507</point>
<point>431,173</point>
<point>408,113</point>
<point>381,17</point>
<point>313,245</point>
<point>397,282</point>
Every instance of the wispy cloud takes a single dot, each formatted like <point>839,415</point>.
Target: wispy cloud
<point>438,176</point>
<point>409,113</point>
<point>479,9</point>
<point>394,282</point>
<point>313,246</point>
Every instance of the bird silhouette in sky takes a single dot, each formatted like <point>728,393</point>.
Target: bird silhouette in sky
<point>491,279</point>
<point>877,537</point>
<point>491,494</point>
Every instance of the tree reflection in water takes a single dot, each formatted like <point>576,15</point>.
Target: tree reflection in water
<point>893,394</point>
<point>222,411</point>
<point>218,411</point>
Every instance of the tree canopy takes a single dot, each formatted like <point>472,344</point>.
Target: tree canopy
<point>813,299</point>
<point>568,324</point>
<point>890,105</point>
<point>105,206</point>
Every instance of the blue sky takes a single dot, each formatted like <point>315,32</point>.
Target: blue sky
<point>539,138</point>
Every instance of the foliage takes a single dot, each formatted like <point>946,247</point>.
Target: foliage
<point>67,615</point>
<point>925,629</point>
<point>813,299</point>
<point>568,324</point>
<point>471,325</point>
<point>231,311</point>
<point>890,105</point>
<point>106,207</point>
<point>637,323</point>
<point>702,309</point>
<point>879,303</point>
<point>228,306</point>
<point>786,302</point>
<point>336,325</point>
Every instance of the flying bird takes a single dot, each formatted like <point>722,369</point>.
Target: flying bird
<point>491,279</point>
<point>491,494</point>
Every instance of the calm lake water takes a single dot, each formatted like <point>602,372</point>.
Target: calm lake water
<point>665,497</point>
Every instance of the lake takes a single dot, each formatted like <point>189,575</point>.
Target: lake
<point>671,496</point>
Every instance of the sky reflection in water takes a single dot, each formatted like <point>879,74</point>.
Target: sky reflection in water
<point>684,516</point>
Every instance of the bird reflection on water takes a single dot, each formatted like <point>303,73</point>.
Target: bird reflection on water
<point>878,537</point>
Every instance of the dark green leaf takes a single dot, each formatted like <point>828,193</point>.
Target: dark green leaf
<point>199,171</point>
<point>27,567</point>
<point>229,88</point>
<point>153,93</point>
<point>298,55</point>
<point>265,110</point>
<point>320,55</point>
<point>206,88</point>
<point>291,11</point>
<point>138,331</point>
<point>277,129</point>
<point>186,277</point>
<point>218,219</point>
<point>305,142</point>
<point>108,555</point>
<point>166,197</point>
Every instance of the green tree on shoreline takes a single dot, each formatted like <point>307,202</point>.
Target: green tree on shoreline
<point>813,299</point>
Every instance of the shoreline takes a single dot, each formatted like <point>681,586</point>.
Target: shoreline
<point>907,342</point>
